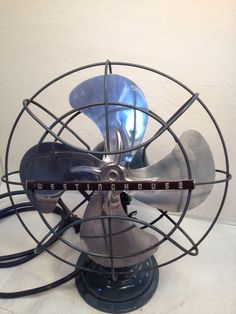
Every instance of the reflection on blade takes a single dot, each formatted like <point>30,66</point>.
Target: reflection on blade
<point>130,123</point>
<point>57,163</point>
<point>173,167</point>
<point>125,236</point>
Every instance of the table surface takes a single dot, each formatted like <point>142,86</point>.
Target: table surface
<point>203,284</point>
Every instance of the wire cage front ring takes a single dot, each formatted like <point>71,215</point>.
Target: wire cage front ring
<point>74,113</point>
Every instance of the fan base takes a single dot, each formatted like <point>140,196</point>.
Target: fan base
<point>128,293</point>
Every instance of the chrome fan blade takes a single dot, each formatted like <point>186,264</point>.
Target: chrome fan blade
<point>122,128</point>
<point>173,167</point>
<point>125,236</point>
<point>56,162</point>
<point>130,123</point>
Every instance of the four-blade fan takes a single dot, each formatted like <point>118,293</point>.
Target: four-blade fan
<point>113,241</point>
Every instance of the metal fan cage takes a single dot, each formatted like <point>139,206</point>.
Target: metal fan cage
<point>69,221</point>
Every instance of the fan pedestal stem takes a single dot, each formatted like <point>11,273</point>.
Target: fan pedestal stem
<point>129,292</point>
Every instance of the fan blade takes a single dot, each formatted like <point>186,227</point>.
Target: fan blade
<point>56,162</point>
<point>126,238</point>
<point>173,167</point>
<point>129,122</point>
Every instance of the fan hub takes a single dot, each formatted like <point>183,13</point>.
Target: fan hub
<point>112,173</point>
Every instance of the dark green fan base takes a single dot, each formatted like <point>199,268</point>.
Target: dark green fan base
<point>128,293</point>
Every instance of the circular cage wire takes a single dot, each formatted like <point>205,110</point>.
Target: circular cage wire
<point>69,219</point>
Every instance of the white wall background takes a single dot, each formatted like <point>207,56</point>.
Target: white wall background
<point>192,40</point>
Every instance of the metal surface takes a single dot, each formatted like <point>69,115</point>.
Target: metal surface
<point>129,292</point>
<point>121,237</point>
<point>173,167</point>
<point>125,236</point>
<point>130,123</point>
<point>55,161</point>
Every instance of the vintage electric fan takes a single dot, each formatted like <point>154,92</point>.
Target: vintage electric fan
<point>116,270</point>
